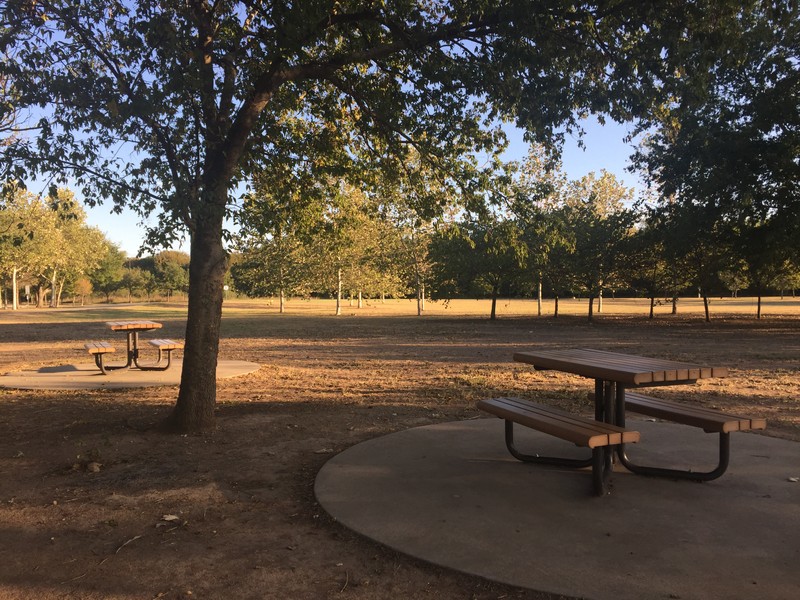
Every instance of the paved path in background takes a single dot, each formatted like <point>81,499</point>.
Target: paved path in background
<point>451,494</point>
<point>87,376</point>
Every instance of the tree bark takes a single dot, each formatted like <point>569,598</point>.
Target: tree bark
<point>652,306</point>
<point>591,308</point>
<point>14,290</point>
<point>360,300</point>
<point>555,309</point>
<point>339,293</point>
<point>539,297</point>
<point>282,301</point>
<point>420,296</point>
<point>758,310</point>
<point>600,302</point>
<point>705,306</point>
<point>54,290</point>
<point>674,305</point>
<point>194,410</point>
<point>494,303</point>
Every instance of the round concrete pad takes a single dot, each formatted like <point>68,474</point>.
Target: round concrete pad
<point>451,494</point>
<point>88,377</point>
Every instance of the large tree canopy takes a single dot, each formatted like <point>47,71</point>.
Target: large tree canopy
<point>169,105</point>
<point>734,145</point>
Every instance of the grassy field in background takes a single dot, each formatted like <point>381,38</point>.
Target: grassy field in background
<point>243,307</point>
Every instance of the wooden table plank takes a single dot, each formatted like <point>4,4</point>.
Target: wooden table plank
<point>129,325</point>
<point>613,366</point>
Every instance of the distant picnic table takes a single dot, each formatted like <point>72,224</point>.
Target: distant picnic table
<point>132,329</point>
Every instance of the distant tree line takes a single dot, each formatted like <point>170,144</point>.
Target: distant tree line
<point>536,234</point>
<point>48,253</point>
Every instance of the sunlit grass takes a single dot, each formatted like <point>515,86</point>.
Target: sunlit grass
<point>244,308</point>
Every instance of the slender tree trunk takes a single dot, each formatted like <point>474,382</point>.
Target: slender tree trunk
<point>422,295</point>
<point>360,300</point>
<point>194,410</point>
<point>282,301</point>
<point>14,289</point>
<point>758,311</point>
<point>494,303</point>
<point>600,302</point>
<point>652,306</point>
<point>555,308</point>
<point>419,296</point>
<point>591,308</point>
<point>60,291</point>
<point>705,307</point>
<point>539,297</point>
<point>53,294</point>
<point>674,305</point>
<point>339,293</point>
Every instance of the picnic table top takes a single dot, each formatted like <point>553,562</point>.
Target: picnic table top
<point>140,325</point>
<point>627,369</point>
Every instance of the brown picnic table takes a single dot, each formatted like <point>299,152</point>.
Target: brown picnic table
<point>614,373</point>
<point>132,329</point>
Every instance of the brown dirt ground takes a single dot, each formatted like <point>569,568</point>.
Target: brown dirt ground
<point>97,502</point>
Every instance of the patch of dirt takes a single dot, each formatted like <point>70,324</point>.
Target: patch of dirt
<point>96,502</point>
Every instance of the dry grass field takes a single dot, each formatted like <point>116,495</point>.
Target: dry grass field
<point>232,515</point>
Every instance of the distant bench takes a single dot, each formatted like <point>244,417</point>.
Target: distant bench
<point>709,420</point>
<point>581,431</point>
<point>98,349</point>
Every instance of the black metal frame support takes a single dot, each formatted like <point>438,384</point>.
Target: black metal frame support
<point>600,461</point>
<point>722,465</point>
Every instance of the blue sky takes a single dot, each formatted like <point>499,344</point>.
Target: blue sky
<point>605,149</point>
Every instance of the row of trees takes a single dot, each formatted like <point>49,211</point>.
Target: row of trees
<point>47,248</point>
<point>538,232</point>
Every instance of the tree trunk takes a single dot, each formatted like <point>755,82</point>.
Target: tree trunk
<point>600,302</point>
<point>419,297</point>
<point>360,300</point>
<point>539,297</point>
<point>60,291</point>
<point>282,301</point>
<point>54,290</point>
<point>652,306</point>
<point>758,310</point>
<point>555,309</point>
<point>194,410</point>
<point>591,308</point>
<point>14,289</point>
<point>422,296</point>
<point>339,293</point>
<point>674,305</point>
<point>494,303</point>
<point>705,306</point>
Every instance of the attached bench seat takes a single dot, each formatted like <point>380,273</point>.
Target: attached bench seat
<point>709,420</point>
<point>98,349</point>
<point>581,431</point>
<point>164,345</point>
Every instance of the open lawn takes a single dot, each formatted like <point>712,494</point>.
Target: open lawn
<point>96,502</point>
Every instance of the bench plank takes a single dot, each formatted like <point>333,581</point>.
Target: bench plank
<point>581,431</point>
<point>711,421</point>
<point>99,347</point>
<point>165,344</point>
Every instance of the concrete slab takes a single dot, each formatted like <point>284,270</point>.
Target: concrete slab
<point>450,494</point>
<point>86,376</point>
